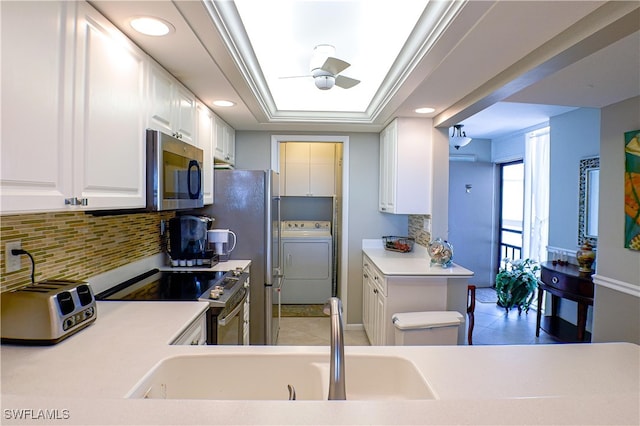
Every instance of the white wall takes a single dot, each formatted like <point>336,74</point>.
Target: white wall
<point>616,312</point>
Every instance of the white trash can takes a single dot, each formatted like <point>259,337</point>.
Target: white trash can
<point>427,328</point>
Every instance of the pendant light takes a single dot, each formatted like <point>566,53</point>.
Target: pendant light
<point>458,138</point>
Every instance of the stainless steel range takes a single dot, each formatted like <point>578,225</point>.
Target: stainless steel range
<point>226,293</point>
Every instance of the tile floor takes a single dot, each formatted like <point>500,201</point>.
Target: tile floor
<point>493,326</point>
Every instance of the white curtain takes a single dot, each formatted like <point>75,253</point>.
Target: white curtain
<point>536,199</point>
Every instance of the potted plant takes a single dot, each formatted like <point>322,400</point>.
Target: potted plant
<point>516,283</point>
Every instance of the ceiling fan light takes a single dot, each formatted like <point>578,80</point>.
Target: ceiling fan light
<point>324,82</point>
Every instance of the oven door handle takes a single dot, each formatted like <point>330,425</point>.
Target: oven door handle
<point>223,321</point>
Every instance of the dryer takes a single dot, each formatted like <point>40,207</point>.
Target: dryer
<point>307,254</point>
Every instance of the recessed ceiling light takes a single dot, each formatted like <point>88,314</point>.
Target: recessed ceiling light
<point>425,110</point>
<point>151,26</point>
<point>223,103</point>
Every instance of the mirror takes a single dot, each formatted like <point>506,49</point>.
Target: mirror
<point>588,203</point>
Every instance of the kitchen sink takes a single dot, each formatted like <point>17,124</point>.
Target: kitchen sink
<point>266,376</point>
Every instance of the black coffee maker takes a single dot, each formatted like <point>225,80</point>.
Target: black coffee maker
<point>188,241</point>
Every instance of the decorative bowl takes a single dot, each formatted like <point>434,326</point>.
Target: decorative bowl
<point>441,253</point>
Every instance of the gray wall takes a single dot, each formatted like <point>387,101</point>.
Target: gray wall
<point>616,309</point>
<point>253,151</point>
<point>574,135</point>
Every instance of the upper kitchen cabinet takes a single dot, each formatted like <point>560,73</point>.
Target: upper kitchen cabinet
<point>308,168</point>
<point>109,144</point>
<point>225,142</point>
<point>205,136</point>
<point>405,167</point>
<point>73,105</point>
<point>37,90</point>
<point>172,106</point>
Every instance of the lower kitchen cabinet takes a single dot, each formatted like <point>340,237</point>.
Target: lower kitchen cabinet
<point>195,334</point>
<point>385,295</point>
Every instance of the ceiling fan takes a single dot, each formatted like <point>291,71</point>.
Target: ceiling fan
<point>325,69</point>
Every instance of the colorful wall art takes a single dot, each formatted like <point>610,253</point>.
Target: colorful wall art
<point>632,190</point>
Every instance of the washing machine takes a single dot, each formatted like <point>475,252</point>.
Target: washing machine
<point>307,254</point>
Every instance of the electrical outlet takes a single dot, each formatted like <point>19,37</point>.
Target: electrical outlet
<point>12,262</point>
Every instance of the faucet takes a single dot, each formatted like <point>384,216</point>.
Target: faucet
<point>333,307</point>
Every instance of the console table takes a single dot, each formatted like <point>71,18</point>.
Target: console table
<point>568,283</point>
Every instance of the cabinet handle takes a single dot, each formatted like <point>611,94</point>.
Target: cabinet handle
<point>383,208</point>
<point>76,201</point>
<point>555,280</point>
<point>366,276</point>
<point>375,291</point>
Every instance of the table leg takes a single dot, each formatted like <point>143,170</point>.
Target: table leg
<point>539,314</point>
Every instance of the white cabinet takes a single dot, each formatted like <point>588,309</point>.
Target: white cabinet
<point>73,110</point>
<point>385,295</point>
<point>309,168</point>
<point>37,91</point>
<point>195,334</point>
<point>406,167</point>
<point>373,303</point>
<point>205,141</point>
<point>109,145</point>
<point>225,142</point>
<point>172,106</point>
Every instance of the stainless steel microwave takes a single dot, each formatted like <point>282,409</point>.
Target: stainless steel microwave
<point>174,173</point>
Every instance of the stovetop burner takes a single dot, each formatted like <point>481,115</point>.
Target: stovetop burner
<point>158,285</point>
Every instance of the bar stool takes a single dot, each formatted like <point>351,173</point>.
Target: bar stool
<point>471,307</point>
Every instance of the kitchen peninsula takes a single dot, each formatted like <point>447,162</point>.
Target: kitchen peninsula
<point>407,282</point>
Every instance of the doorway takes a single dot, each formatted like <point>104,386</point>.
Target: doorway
<point>336,205</point>
<point>511,218</point>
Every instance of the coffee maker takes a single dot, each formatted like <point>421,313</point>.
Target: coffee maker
<point>188,241</point>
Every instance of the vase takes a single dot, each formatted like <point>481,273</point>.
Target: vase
<point>441,253</point>
<point>585,257</point>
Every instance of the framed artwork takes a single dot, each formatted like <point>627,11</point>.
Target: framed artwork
<point>632,190</point>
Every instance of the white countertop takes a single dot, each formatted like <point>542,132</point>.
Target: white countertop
<point>89,373</point>
<point>415,263</point>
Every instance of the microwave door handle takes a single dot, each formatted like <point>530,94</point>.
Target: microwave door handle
<point>223,321</point>
<point>194,195</point>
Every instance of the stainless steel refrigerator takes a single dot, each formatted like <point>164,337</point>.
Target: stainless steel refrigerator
<point>248,203</point>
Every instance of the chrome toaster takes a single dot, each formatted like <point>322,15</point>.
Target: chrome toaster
<point>46,312</point>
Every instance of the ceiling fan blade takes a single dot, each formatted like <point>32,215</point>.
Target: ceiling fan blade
<point>335,65</point>
<point>346,82</point>
<point>295,76</point>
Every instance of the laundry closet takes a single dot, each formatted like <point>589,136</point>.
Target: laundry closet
<point>310,187</point>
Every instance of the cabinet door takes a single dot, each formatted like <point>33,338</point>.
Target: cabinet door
<point>379,326</point>
<point>367,305</point>
<point>297,165</point>
<point>185,103</point>
<point>322,169</point>
<point>109,143</point>
<point>205,141</point>
<point>388,168</point>
<point>230,144</point>
<point>37,89</point>
<point>161,102</point>
<point>225,142</point>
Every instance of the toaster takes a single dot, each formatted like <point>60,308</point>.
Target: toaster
<point>46,312</point>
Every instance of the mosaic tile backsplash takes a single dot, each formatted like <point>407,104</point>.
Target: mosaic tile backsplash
<point>416,229</point>
<point>75,245</point>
